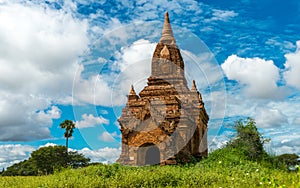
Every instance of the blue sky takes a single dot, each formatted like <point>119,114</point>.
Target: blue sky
<point>76,59</point>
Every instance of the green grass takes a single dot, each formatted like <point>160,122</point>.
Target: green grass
<point>223,168</point>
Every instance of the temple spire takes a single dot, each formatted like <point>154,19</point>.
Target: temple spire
<point>132,92</point>
<point>167,34</point>
<point>194,87</point>
<point>132,95</point>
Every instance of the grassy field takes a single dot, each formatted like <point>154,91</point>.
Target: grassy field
<point>221,169</point>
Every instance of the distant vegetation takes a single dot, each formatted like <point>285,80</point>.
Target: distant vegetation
<point>241,163</point>
<point>46,160</point>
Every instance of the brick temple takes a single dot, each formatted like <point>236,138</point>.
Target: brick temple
<point>166,123</point>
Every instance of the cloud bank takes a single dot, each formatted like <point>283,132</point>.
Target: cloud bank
<point>292,66</point>
<point>38,58</point>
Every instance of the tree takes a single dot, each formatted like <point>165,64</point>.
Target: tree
<point>45,161</point>
<point>77,160</point>
<point>49,158</point>
<point>13,170</point>
<point>69,127</point>
<point>288,159</point>
<point>248,140</point>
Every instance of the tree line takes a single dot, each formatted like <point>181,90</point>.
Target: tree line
<point>47,160</point>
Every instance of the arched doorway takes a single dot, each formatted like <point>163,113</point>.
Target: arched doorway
<point>148,154</point>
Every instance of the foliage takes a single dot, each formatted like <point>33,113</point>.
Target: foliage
<point>223,168</point>
<point>77,160</point>
<point>230,166</point>
<point>288,159</point>
<point>69,127</point>
<point>248,140</point>
<point>24,168</point>
<point>45,161</point>
<point>226,167</point>
<point>49,158</point>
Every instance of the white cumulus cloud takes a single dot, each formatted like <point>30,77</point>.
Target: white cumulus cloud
<point>14,153</point>
<point>292,66</point>
<point>223,15</point>
<point>270,118</point>
<point>286,142</point>
<point>296,121</point>
<point>132,66</point>
<point>48,115</point>
<point>39,50</point>
<point>108,137</point>
<point>220,15</point>
<point>259,76</point>
<point>88,120</point>
<point>103,155</point>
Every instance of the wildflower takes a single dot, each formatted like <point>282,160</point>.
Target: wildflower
<point>220,162</point>
<point>247,173</point>
<point>260,183</point>
<point>232,179</point>
<point>257,170</point>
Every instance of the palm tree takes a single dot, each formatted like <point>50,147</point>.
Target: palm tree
<point>69,126</point>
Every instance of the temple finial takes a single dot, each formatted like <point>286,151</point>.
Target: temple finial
<point>167,33</point>
<point>132,92</point>
<point>194,87</point>
<point>132,95</point>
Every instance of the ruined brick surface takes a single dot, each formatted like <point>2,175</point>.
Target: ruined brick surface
<point>166,117</point>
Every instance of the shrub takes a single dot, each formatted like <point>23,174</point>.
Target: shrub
<point>248,140</point>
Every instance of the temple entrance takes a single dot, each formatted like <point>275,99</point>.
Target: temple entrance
<point>148,154</point>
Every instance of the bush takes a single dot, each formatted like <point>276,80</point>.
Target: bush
<point>248,140</point>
